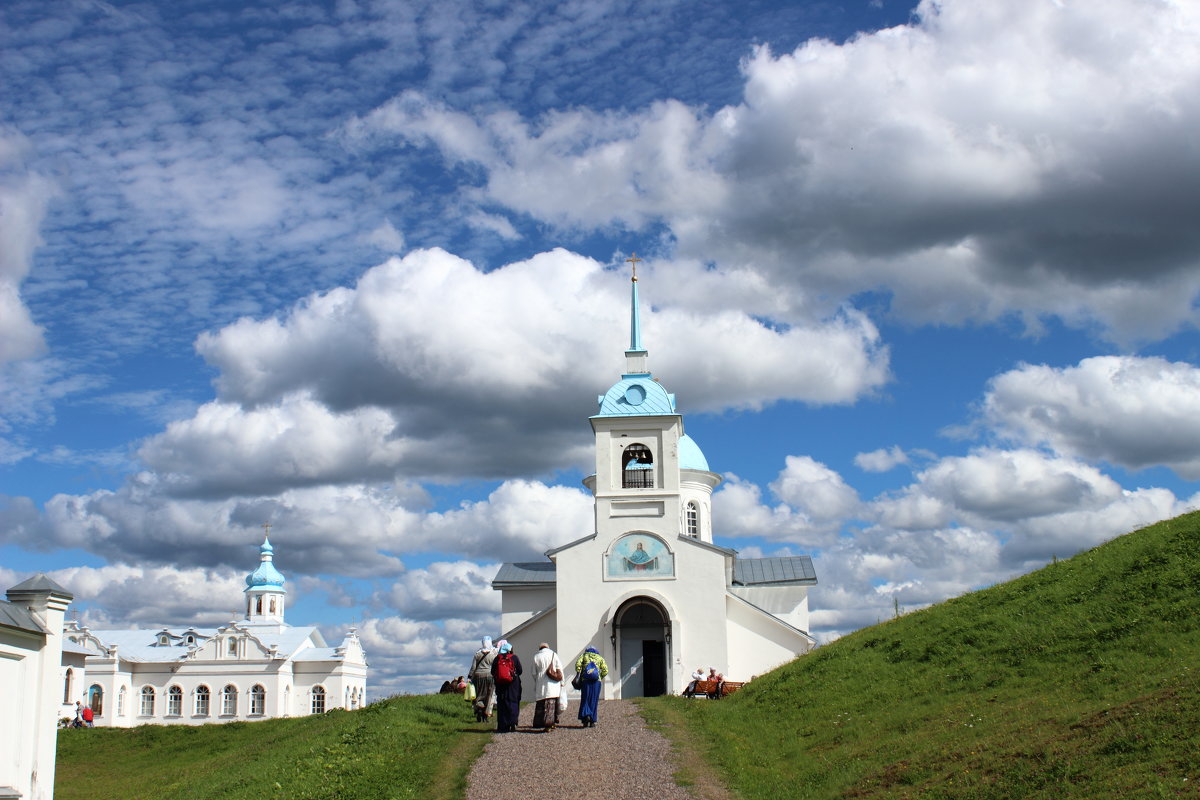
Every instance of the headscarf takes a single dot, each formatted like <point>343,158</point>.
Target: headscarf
<point>487,643</point>
<point>505,647</point>
<point>592,650</point>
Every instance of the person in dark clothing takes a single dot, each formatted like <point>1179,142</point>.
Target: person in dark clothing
<point>506,673</point>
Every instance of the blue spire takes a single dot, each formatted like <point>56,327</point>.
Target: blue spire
<point>635,320</point>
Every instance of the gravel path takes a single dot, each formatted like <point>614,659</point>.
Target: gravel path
<point>619,759</point>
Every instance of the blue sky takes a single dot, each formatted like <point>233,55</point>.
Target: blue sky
<point>923,279</point>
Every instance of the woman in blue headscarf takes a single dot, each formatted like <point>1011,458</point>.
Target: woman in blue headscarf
<point>590,670</point>
<point>506,672</point>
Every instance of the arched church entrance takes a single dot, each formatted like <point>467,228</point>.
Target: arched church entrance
<point>642,635</point>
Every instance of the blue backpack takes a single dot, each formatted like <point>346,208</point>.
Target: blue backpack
<point>591,672</point>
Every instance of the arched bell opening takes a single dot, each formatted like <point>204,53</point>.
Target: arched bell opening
<point>641,636</point>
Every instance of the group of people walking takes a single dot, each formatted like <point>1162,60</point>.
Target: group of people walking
<point>496,676</point>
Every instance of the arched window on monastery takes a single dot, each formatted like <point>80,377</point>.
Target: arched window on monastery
<point>121,702</point>
<point>258,701</point>
<point>202,697</point>
<point>229,700</point>
<point>693,519</point>
<point>231,647</point>
<point>258,604</point>
<point>174,702</point>
<point>318,700</point>
<point>272,606</point>
<point>67,688</point>
<point>637,467</point>
<point>96,699</point>
<point>147,701</point>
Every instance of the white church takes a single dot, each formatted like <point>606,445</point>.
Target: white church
<point>648,588</point>
<point>255,668</point>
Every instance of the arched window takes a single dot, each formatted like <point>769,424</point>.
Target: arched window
<point>637,467</point>
<point>174,702</point>
<point>67,685</point>
<point>121,702</point>
<point>318,700</point>
<point>258,604</point>
<point>147,701</point>
<point>229,700</point>
<point>693,520</point>
<point>202,701</point>
<point>232,646</point>
<point>96,699</point>
<point>258,701</point>
<point>190,639</point>
<point>272,605</point>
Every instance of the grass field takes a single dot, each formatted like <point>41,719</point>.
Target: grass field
<point>1076,681</point>
<point>404,747</point>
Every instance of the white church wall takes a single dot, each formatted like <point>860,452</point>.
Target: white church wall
<point>31,694</point>
<point>19,656</point>
<point>757,643</point>
<point>789,603</point>
<point>519,605</point>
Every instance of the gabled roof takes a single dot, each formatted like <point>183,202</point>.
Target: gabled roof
<point>527,573</point>
<point>141,645</point>
<point>15,616</point>
<point>773,571</point>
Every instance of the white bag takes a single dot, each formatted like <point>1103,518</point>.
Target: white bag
<point>562,700</point>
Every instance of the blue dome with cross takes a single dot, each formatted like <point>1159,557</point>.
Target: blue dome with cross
<point>266,576</point>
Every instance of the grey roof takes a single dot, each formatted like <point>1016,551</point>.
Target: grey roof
<point>525,573</point>
<point>41,583</point>
<point>760,571</point>
<point>15,616</point>
<point>141,645</point>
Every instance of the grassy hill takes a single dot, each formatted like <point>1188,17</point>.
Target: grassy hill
<point>405,747</point>
<point>1079,680</point>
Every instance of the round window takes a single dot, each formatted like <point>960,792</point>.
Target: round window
<point>635,394</point>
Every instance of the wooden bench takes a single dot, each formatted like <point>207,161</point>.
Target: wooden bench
<point>710,688</point>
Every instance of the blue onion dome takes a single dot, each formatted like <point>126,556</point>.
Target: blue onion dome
<point>266,576</point>
<point>690,456</point>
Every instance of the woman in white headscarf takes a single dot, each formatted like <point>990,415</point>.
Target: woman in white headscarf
<point>481,678</point>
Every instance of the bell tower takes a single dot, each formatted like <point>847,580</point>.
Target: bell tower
<point>264,588</point>
<point>649,474</point>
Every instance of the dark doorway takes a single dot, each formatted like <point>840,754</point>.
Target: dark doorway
<point>654,661</point>
<point>641,629</point>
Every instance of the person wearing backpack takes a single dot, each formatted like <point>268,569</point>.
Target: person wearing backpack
<point>590,670</point>
<point>506,673</point>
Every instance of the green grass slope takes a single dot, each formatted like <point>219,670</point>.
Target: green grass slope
<point>1078,680</point>
<point>405,747</point>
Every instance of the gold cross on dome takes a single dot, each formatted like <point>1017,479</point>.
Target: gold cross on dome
<point>634,261</point>
<point>267,527</point>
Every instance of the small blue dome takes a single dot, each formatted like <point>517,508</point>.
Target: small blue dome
<point>690,456</point>
<point>266,576</point>
<point>636,396</point>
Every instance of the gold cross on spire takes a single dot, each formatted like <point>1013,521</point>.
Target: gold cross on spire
<point>634,261</point>
<point>267,527</point>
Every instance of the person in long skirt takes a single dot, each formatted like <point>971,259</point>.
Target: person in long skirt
<point>589,690</point>
<point>506,673</point>
<point>481,678</point>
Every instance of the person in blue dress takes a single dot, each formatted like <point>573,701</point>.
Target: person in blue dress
<point>592,670</point>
